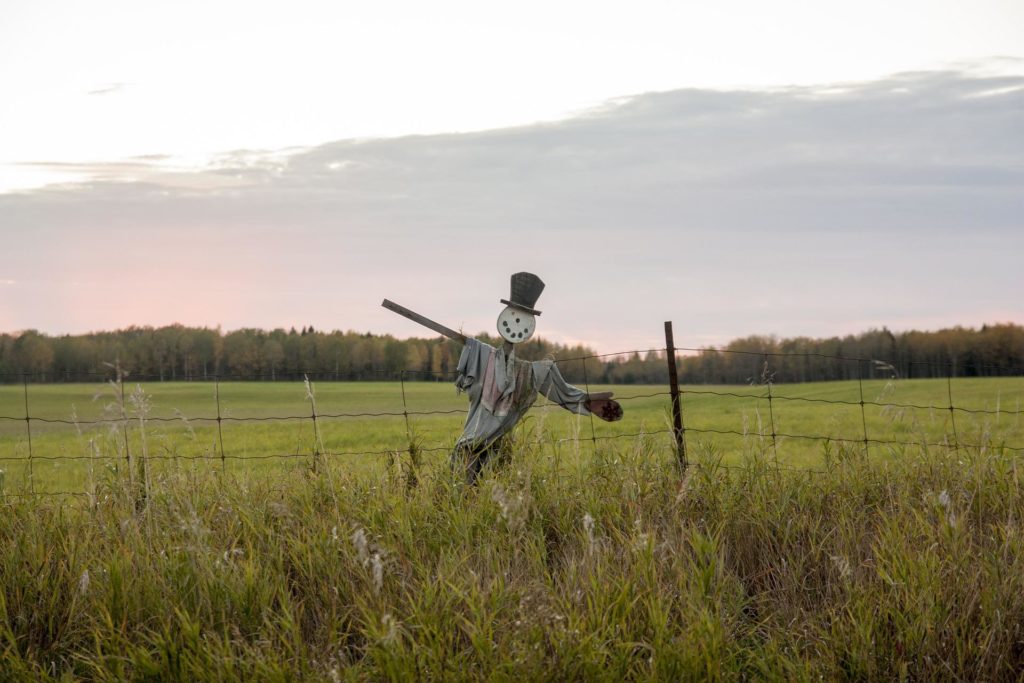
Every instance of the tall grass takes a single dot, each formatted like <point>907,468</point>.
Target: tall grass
<point>617,568</point>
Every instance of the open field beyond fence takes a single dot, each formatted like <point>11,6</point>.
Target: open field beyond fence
<point>81,434</point>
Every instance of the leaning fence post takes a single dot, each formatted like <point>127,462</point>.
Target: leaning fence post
<point>677,411</point>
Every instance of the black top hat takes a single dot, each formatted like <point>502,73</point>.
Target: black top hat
<point>526,289</point>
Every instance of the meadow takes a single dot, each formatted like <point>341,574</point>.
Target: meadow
<point>266,425</point>
<point>576,559</point>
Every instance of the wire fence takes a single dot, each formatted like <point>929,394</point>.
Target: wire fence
<point>763,390</point>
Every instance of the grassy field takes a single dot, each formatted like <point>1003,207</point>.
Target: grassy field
<point>174,424</point>
<point>908,569</point>
<point>577,559</point>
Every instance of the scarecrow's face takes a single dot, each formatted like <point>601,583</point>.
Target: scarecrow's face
<point>516,326</point>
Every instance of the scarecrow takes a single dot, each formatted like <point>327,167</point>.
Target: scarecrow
<point>500,387</point>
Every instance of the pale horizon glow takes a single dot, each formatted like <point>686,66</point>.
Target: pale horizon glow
<point>739,167</point>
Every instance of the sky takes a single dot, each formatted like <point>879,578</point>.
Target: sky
<point>784,168</point>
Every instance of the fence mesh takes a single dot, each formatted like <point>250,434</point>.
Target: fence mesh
<point>765,390</point>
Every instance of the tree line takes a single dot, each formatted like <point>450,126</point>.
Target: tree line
<point>176,353</point>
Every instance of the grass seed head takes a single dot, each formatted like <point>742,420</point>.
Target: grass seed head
<point>362,546</point>
<point>588,527</point>
<point>378,572</point>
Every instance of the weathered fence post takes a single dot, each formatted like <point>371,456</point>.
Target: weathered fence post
<point>863,416</point>
<point>28,432</point>
<point>677,411</point>
<point>586,383</point>
<point>220,431</point>
<point>768,378</point>
<point>951,369</point>
<point>124,414</point>
<point>316,428</point>
<point>412,475</point>
<point>124,422</point>
<point>405,407</point>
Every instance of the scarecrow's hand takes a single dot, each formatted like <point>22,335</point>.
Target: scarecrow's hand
<point>603,406</point>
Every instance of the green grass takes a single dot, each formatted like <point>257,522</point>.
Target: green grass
<point>365,444</point>
<point>610,569</point>
<point>574,559</point>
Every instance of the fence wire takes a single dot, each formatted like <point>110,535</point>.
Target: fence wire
<point>761,391</point>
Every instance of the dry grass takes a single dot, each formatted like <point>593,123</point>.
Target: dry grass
<point>613,569</point>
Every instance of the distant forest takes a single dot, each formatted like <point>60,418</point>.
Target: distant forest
<point>178,353</point>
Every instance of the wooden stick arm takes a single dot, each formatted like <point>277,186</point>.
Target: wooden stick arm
<point>426,322</point>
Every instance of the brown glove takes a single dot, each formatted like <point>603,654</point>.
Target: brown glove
<point>602,405</point>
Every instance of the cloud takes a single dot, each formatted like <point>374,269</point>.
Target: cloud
<point>916,129</point>
<point>108,89</point>
<point>90,168</point>
<point>794,210</point>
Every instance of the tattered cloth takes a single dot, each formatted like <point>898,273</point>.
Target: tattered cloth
<point>501,389</point>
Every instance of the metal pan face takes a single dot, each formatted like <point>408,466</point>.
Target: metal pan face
<point>516,326</point>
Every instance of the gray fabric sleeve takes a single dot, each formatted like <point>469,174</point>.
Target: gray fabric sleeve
<point>552,385</point>
<point>469,369</point>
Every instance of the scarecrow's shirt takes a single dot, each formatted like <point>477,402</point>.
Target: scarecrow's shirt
<point>501,389</point>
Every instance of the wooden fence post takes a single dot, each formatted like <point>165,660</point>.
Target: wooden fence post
<point>220,431</point>
<point>28,433</point>
<point>677,411</point>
